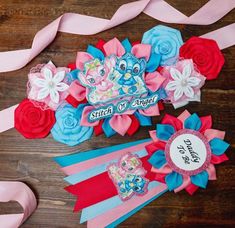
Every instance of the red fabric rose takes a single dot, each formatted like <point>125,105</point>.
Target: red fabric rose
<point>205,54</point>
<point>32,122</point>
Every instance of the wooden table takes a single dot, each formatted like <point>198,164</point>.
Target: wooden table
<point>30,161</point>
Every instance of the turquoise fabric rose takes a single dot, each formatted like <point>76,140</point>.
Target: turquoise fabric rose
<point>67,128</point>
<point>165,41</point>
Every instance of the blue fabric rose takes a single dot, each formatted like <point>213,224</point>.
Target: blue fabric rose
<point>165,41</point>
<point>67,128</point>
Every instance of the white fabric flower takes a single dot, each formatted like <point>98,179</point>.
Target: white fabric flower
<point>183,83</point>
<point>51,85</point>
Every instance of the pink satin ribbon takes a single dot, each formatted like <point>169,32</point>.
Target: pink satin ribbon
<point>86,25</point>
<point>21,193</point>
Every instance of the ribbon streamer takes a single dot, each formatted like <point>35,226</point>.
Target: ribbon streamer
<point>16,191</point>
<point>86,25</point>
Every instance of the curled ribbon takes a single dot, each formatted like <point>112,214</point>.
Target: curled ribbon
<point>86,25</point>
<point>20,192</point>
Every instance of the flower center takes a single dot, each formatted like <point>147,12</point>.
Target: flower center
<point>184,83</point>
<point>70,122</point>
<point>188,152</point>
<point>164,48</point>
<point>51,84</point>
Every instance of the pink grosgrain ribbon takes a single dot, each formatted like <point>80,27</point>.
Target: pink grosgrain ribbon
<point>86,25</point>
<point>16,191</point>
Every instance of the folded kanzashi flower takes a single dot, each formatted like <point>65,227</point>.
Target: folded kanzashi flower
<point>185,150</point>
<point>32,122</point>
<point>67,128</point>
<point>48,84</point>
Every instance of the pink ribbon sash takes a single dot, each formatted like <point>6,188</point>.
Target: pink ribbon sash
<point>16,191</point>
<point>86,25</point>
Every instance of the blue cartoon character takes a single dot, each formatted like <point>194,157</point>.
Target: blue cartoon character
<point>131,70</point>
<point>132,184</point>
<point>128,176</point>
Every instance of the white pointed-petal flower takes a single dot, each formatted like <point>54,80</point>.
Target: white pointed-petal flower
<point>172,85</point>
<point>54,95</point>
<point>188,91</point>
<point>48,75</point>
<point>58,77</point>
<point>193,81</point>
<point>40,82</point>
<point>175,74</point>
<point>178,93</point>
<point>43,93</point>
<point>187,71</point>
<point>61,87</point>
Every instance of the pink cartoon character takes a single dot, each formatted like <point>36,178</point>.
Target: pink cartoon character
<point>95,75</point>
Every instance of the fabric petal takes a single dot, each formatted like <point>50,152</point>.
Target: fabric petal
<point>144,120</point>
<point>166,169</point>
<point>120,123</point>
<point>84,118</point>
<point>175,74</point>
<point>141,51</point>
<point>43,93</point>
<point>58,77</point>
<point>164,131</point>
<point>184,115</point>
<point>135,124</point>
<point>77,91</point>
<point>186,182</point>
<point>39,82</point>
<point>193,81</point>
<point>158,159</point>
<point>171,120</point>
<point>206,123</point>
<point>153,62</point>
<point>173,180</point>
<point>187,71</point>
<point>54,95</point>
<point>98,128</point>
<point>95,52</point>
<point>154,81</point>
<point>47,74</point>
<point>218,159</point>
<point>61,87</point>
<point>200,179</point>
<point>213,133</point>
<point>114,47</point>
<point>127,45</point>
<point>155,146</point>
<point>211,172</point>
<point>172,85</point>
<point>191,189</point>
<point>153,135</point>
<point>151,111</point>
<point>108,131</point>
<point>178,93</point>
<point>82,57</point>
<point>218,146</point>
<point>193,122</point>
<point>188,91</point>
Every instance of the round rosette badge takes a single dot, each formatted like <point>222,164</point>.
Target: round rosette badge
<point>185,151</point>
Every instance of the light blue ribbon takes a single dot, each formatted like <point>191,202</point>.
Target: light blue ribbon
<point>95,52</point>
<point>218,146</point>
<point>193,122</point>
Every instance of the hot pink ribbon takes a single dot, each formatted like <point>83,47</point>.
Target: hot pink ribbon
<point>16,191</point>
<point>86,25</point>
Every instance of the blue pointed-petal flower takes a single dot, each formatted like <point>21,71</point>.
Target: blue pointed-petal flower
<point>164,131</point>
<point>108,131</point>
<point>193,122</point>
<point>144,120</point>
<point>218,146</point>
<point>200,179</point>
<point>158,159</point>
<point>127,45</point>
<point>153,63</point>
<point>173,180</point>
<point>95,52</point>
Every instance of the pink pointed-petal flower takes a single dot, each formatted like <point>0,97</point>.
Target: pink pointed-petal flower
<point>151,111</point>
<point>82,57</point>
<point>120,123</point>
<point>114,47</point>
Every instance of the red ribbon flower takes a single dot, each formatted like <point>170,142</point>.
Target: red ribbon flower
<point>33,122</point>
<point>205,54</point>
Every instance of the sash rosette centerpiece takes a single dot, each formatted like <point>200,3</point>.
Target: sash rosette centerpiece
<point>185,151</point>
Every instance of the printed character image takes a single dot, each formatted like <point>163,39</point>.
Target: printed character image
<point>95,76</point>
<point>131,70</point>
